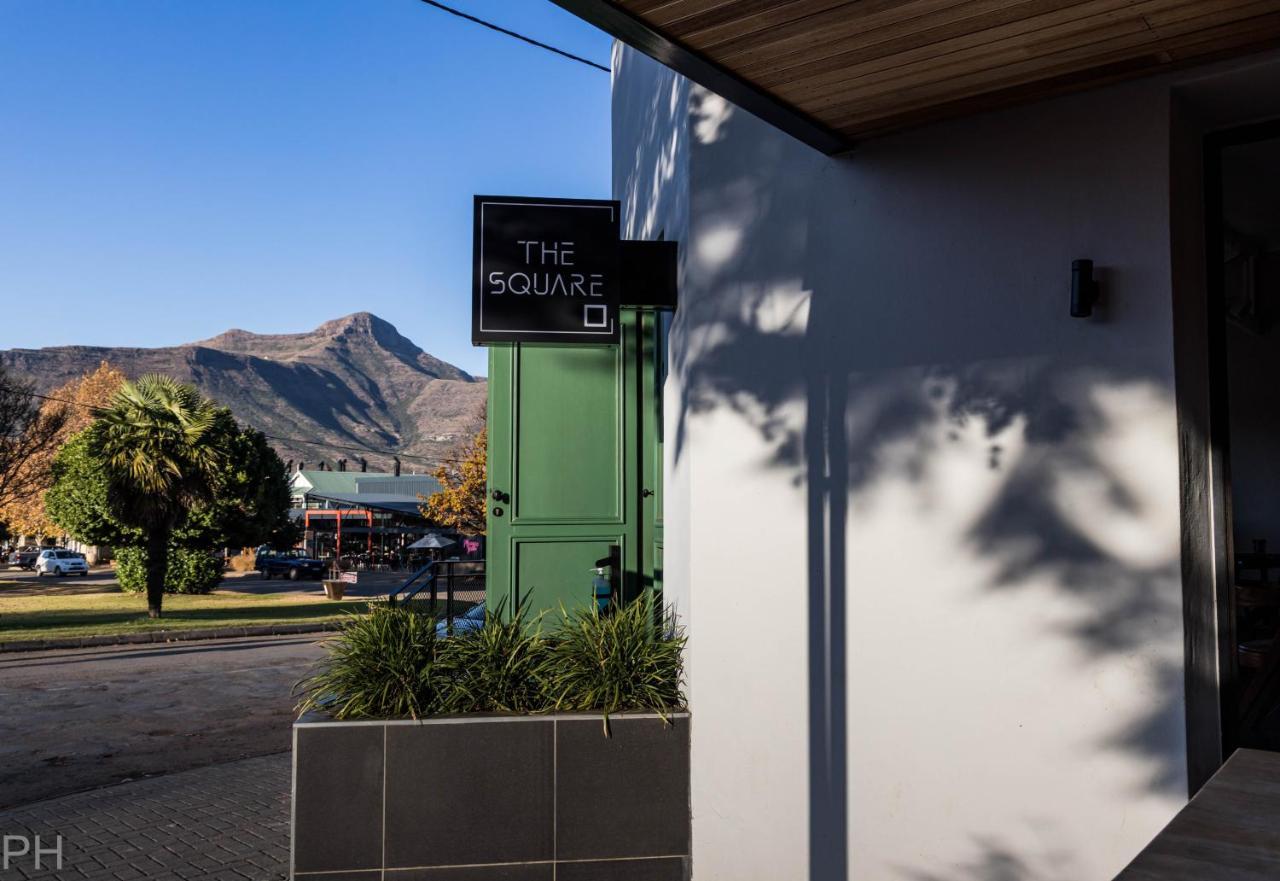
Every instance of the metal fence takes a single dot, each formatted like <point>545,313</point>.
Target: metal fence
<point>445,588</point>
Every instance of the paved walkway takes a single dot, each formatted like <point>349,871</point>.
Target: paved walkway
<point>228,822</point>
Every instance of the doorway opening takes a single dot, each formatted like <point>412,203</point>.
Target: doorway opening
<point>1243,257</point>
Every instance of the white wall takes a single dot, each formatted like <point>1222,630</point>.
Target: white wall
<point>929,521</point>
<point>651,179</point>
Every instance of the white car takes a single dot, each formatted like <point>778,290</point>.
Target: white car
<point>53,562</point>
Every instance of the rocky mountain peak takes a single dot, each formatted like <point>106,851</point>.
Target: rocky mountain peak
<point>358,334</point>
<point>365,324</point>
<point>352,380</point>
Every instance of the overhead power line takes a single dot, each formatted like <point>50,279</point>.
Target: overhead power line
<point>532,42</point>
<point>22,391</point>
<point>391,454</point>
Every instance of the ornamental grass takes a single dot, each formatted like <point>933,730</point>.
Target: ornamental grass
<point>391,663</point>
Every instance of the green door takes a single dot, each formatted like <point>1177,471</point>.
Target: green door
<point>567,427</point>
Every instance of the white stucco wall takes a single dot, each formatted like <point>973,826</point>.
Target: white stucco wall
<point>923,524</point>
<point>651,179</point>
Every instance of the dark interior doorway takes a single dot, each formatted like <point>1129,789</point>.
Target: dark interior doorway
<point>1243,251</point>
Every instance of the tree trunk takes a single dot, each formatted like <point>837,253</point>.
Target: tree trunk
<point>157,567</point>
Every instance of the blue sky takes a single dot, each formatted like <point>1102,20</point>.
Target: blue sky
<point>173,168</point>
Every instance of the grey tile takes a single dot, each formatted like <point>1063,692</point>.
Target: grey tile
<point>367,875</point>
<point>626,795</point>
<point>338,801</point>
<point>460,794</point>
<point>510,872</point>
<point>661,869</point>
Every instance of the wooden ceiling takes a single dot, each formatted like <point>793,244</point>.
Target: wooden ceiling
<point>859,68</point>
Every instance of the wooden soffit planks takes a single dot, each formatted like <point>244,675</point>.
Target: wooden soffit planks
<point>850,69</point>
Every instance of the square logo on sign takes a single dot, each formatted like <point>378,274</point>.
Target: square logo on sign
<point>546,271</point>
<point>595,315</point>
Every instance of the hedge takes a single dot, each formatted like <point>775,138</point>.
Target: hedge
<point>189,571</point>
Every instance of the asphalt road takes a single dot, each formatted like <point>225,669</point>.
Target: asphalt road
<point>17,582</point>
<point>74,720</point>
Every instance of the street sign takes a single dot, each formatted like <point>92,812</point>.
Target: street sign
<point>546,270</point>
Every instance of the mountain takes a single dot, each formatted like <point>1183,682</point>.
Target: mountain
<point>354,381</point>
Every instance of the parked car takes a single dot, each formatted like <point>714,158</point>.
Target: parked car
<point>468,622</point>
<point>288,564</point>
<point>24,558</point>
<point>59,562</point>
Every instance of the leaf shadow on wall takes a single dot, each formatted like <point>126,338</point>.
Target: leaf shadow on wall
<point>889,376</point>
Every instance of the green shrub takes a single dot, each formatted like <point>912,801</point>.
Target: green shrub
<point>383,664</point>
<point>389,664</point>
<point>189,571</point>
<point>615,662</point>
<point>495,669</point>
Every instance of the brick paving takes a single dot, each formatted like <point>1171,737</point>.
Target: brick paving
<point>227,822</point>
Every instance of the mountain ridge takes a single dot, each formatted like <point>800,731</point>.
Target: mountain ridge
<point>352,381</point>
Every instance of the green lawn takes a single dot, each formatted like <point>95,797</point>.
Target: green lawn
<point>95,614</point>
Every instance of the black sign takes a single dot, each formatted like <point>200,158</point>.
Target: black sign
<point>546,270</point>
<point>649,274</point>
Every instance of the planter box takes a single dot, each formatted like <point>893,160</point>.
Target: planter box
<point>491,798</point>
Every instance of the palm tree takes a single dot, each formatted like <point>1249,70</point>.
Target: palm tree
<point>162,445</point>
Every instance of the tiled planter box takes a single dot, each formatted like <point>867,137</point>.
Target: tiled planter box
<point>491,798</point>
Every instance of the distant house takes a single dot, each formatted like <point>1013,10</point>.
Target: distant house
<point>320,489</point>
<point>370,513</point>
<point>94,554</point>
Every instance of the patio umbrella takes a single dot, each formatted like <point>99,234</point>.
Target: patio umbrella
<point>432,541</point>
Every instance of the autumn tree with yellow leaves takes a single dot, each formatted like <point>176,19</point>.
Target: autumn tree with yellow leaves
<point>73,405</point>
<point>460,503</point>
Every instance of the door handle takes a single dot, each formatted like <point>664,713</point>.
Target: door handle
<point>645,493</point>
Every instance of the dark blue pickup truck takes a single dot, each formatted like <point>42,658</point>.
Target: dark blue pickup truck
<point>288,564</point>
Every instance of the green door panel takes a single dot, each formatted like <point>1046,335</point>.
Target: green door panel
<point>569,414</point>
<point>555,572</point>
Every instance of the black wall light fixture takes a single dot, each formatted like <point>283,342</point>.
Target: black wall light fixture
<point>1084,288</point>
